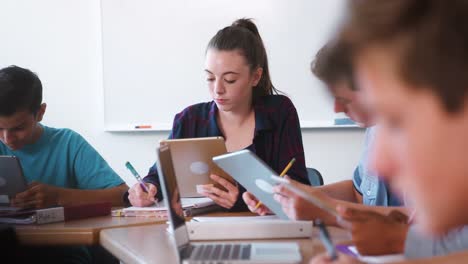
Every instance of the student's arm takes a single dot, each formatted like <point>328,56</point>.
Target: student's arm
<point>385,210</point>
<point>112,195</point>
<point>373,233</point>
<point>95,180</point>
<point>343,190</point>
<point>88,179</point>
<point>298,208</point>
<point>39,195</point>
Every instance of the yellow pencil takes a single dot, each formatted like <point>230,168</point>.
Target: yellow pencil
<point>281,175</point>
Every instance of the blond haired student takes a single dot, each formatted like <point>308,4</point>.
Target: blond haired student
<point>410,61</point>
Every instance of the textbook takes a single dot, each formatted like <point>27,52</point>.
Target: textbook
<point>191,206</point>
<point>54,214</point>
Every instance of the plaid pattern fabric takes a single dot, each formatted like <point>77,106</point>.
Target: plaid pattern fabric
<point>277,137</point>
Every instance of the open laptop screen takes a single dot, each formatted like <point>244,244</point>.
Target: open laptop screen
<point>171,195</point>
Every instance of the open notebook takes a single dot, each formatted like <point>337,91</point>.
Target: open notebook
<point>191,206</point>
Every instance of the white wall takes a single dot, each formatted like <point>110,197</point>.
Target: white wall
<point>134,34</point>
<point>61,41</point>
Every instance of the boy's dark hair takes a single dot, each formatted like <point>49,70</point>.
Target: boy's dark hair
<point>429,37</point>
<point>20,89</point>
<point>243,35</point>
<point>333,64</point>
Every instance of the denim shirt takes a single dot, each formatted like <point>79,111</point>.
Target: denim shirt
<point>374,191</point>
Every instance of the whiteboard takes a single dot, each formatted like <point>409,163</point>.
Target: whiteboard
<point>154,51</point>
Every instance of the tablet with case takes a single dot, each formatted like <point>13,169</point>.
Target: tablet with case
<point>193,164</point>
<point>254,174</point>
<point>12,180</point>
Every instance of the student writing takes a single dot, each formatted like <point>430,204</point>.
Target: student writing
<point>245,110</point>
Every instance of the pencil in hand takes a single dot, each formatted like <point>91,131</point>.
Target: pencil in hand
<point>285,170</point>
<point>137,176</point>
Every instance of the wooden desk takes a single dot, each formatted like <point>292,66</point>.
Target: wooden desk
<point>152,244</point>
<point>77,232</point>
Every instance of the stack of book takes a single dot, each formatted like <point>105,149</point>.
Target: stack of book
<point>13,215</point>
<point>191,206</point>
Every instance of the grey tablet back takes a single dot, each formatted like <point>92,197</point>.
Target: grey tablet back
<point>12,180</point>
<point>254,174</point>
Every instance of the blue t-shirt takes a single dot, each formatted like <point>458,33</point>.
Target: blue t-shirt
<point>373,190</point>
<point>63,158</point>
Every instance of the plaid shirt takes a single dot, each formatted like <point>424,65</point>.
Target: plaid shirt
<point>277,138</point>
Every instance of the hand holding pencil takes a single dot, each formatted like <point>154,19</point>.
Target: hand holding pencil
<point>141,194</point>
<point>282,174</point>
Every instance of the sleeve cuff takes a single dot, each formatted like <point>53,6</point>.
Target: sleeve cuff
<point>152,178</point>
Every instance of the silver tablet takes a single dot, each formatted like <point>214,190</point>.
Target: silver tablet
<point>12,180</point>
<point>254,174</point>
<point>193,162</point>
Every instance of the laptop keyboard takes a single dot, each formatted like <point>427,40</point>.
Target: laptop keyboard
<point>220,252</point>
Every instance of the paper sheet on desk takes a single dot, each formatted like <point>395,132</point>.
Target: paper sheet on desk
<point>377,259</point>
<point>234,218</point>
<point>196,202</point>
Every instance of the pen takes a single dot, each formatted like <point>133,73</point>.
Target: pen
<point>136,175</point>
<point>281,175</point>
<point>325,238</point>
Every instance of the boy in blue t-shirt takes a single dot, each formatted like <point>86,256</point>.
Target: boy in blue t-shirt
<point>59,165</point>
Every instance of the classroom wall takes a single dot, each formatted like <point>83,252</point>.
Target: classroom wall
<point>61,41</point>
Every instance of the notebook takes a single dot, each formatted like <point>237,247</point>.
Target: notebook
<point>188,252</point>
<point>191,207</point>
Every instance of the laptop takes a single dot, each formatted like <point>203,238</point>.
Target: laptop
<point>12,180</point>
<point>193,157</point>
<point>188,253</point>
